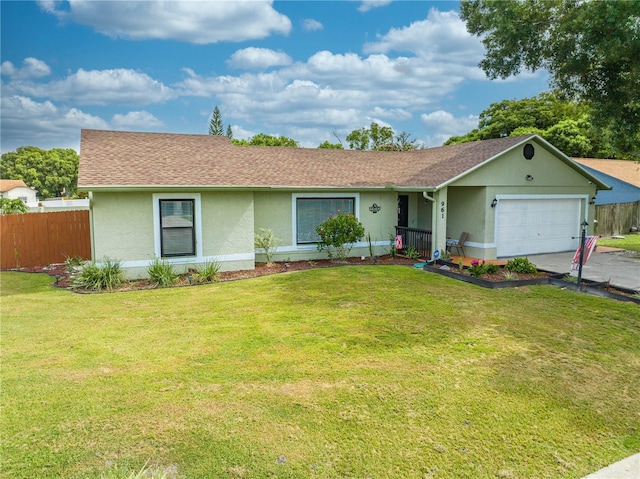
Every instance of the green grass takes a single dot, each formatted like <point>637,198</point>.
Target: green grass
<point>370,371</point>
<point>631,242</point>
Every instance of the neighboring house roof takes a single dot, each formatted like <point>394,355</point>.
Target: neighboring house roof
<point>625,170</point>
<point>621,192</point>
<point>116,159</point>
<point>8,185</point>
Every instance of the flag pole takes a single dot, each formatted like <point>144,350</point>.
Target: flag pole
<point>584,225</point>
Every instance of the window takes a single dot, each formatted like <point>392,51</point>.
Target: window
<point>177,227</point>
<point>312,211</point>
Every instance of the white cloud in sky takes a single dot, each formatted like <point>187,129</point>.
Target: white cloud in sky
<point>98,87</point>
<point>199,22</point>
<point>367,5</point>
<point>136,120</point>
<point>31,68</point>
<point>442,125</point>
<point>258,58</point>
<point>28,122</point>
<point>311,25</point>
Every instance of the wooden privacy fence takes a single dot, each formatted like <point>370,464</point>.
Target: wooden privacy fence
<point>39,239</point>
<point>617,218</point>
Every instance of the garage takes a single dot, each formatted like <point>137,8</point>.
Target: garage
<point>535,225</point>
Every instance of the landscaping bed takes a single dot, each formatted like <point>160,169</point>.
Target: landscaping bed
<point>498,280</point>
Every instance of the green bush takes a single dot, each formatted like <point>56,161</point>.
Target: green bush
<point>478,268</point>
<point>208,273</point>
<point>161,273</point>
<point>338,235</point>
<point>97,277</point>
<point>267,242</point>
<point>521,265</point>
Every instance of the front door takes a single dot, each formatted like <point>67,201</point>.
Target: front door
<point>403,210</point>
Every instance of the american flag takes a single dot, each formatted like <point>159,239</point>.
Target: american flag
<point>589,245</point>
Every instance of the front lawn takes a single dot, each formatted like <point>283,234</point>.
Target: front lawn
<point>368,371</point>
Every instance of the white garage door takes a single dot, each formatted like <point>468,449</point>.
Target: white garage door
<point>533,226</point>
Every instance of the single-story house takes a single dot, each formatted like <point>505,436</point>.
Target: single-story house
<point>17,189</point>
<point>197,198</point>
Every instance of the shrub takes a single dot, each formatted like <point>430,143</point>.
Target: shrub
<point>338,235</point>
<point>412,253</point>
<point>12,206</point>
<point>161,273</point>
<point>267,242</point>
<point>97,277</point>
<point>478,268</point>
<point>208,273</point>
<point>521,265</point>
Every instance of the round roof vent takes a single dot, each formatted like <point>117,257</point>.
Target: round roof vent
<point>528,151</point>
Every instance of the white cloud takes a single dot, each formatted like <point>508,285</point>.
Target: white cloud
<point>367,5</point>
<point>136,120</point>
<point>258,58</point>
<point>28,122</point>
<point>98,87</point>
<point>311,25</point>
<point>201,22</point>
<point>31,68</point>
<point>442,125</point>
<point>442,37</point>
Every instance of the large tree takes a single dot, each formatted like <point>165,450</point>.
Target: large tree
<point>52,173</point>
<point>589,47</point>
<point>565,124</point>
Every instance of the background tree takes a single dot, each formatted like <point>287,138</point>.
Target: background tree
<point>51,172</point>
<point>215,124</point>
<point>590,48</point>
<point>565,124</point>
<point>330,146</point>
<point>378,137</point>
<point>262,139</point>
<point>229,132</point>
<point>12,206</point>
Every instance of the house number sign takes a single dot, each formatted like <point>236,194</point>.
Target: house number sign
<point>374,208</point>
<point>442,208</point>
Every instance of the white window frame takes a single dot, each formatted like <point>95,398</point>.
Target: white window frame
<point>157,232</point>
<point>294,213</point>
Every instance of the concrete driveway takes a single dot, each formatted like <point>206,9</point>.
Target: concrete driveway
<point>605,264</point>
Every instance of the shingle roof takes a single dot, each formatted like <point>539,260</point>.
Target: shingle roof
<point>129,159</point>
<point>625,170</point>
<point>8,185</point>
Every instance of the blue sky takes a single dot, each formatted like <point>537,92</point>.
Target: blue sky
<point>308,70</point>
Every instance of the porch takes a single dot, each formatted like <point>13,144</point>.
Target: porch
<point>414,239</point>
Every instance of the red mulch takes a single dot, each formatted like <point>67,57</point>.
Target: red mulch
<point>63,280</point>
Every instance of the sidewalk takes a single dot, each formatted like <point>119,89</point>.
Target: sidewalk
<point>628,468</point>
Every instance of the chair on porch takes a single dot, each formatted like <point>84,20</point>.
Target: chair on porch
<point>458,244</point>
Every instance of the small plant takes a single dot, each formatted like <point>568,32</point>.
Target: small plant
<point>479,267</point>
<point>73,262</point>
<point>115,472</point>
<point>412,253</point>
<point>521,265</point>
<point>510,275</point>
<point>161,273</point>
<point>338,234</point>
<point>392,247</point>
<point>570,279</point>
<point>370,245</point>
<point>312,263</point>
<point>97,277</point>
<point>460,264</point>
<point>267,242</point>
<point>208,273</point>
<point>444,254</point>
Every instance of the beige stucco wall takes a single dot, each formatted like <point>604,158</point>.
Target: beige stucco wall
<point>275,211</point>
<point>123,230</point>
<point>469,206</point>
